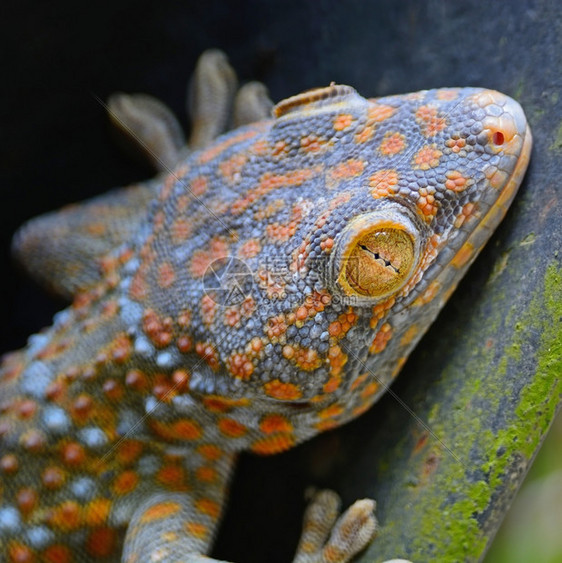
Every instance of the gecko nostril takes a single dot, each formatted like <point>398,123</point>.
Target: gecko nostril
<point>498,138</point>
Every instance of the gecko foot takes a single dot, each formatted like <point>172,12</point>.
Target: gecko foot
<point>327,538</point>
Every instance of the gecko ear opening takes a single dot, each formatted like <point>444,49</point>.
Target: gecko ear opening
<point>376,256</point>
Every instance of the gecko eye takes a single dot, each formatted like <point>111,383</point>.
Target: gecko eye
<point>379,262</point>
<point>376,256</point>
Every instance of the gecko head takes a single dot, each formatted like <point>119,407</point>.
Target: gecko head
<point>431,203</point>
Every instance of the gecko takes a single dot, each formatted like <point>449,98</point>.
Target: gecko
<point>267,285</point>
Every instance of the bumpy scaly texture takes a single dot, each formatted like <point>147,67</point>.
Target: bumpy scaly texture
<point>271,290</point>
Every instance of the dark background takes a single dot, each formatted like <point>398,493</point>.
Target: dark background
<point>57,57</point>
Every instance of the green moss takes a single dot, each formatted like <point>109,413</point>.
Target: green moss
<point>450,491</point>
<point>557,143</point>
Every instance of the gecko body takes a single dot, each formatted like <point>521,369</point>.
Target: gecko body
<point>266,288</point>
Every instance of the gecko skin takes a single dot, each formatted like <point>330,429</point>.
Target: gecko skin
<point>268,289</point>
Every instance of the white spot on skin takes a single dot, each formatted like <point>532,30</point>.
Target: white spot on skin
<point>35,379</point>
<point>36,342</point>
<point>39,537</point>
<point>83,488</point>
<point>56,420</point>
<point>61,317</point>
<point>92,437</point>
<point>164,360</point>
<point>130,312</point>
<point>10,519</point>
<point>144,347</point>
<point>183,404</point>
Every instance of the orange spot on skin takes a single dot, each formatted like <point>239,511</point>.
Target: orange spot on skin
<point>217,403</point>
<point>306,359</point>
<point>427,157</point>
<point>463,256</point>
<point>268,210</point>
<point>232,428</point>
<point>73,454</point>
<point>166,275</point>
<point>209,354</point>
<point>121,349</point>
<point>96,512</point>
<point>313,144</point>
<point>27,500</point>
<point>269,182</point>
<point>369,390</point>
<point>197,530</point>
<point>333,411</point>
<point>350,168</point>
<point>276,327</point>
<point>392,143</point>
<point>426,204</point>
<point>455,144</point>
<point>338,329</point>
<point>56,554</point>
<point>53,478</point>
<point>249,249</point>
<point>231,169</point>
<point>337,359</point>
<point>240,366</point>
<point>19,553</point>
<point>280,149</point>
<point>208,507</point>
<point>467,212</point>
<point>160,511</point>
<point>125,483</point>
<point>447,94</point>
<point>409,335</point>
<point>359,381</point>
<point>281,232</point>
<point>327,244</point>
<point>332,384</point>
<point>455,182</point>
<point>27,408</point>
<point>210,452</point>
<point>217,148</point>
<point>364,134</point>
<point>273,423</point>
<point>101,542</point>
<point>343,121</point>
<point>81,408</point>
<point>282,391</point>
<point>383,183</point>
<point>181,230</point>
<point>201,260</point>
<point>430,121</point>
<point>206,474</point>
<point>260,148</point>
<point>65,517</point>
<point>172,476</point>
<point>186,429</point>
<point>136,380</point>
<point>208,309</point>
<point>381,339</point>
<point>324,425</point>
<point>379,112</point>
<point>9,464</point>
<point>159,330</point>
<point>273,444</point>
<point>429,294</point>
<point>139,286</point>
